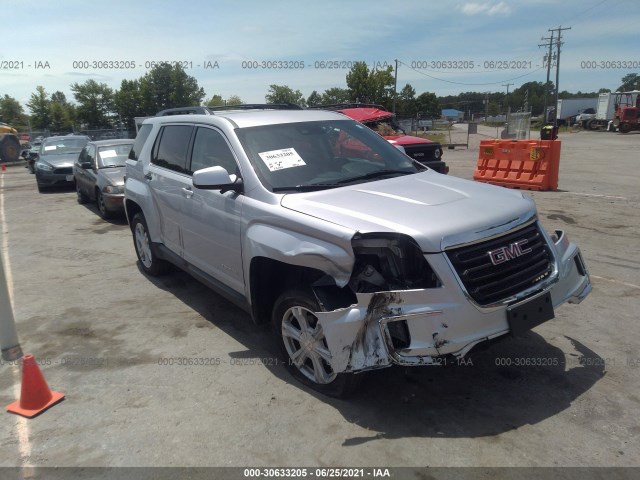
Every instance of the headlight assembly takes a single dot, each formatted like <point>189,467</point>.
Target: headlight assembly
<point>44,166</point>
<point>113,189</point>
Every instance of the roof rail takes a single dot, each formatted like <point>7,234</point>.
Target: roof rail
<point>258,106</point>
<point>184,111</point>
<point>199,110</point>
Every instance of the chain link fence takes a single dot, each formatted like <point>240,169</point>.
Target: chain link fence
<point>518,126</point>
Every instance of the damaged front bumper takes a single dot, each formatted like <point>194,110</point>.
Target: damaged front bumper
<point>419,327</point>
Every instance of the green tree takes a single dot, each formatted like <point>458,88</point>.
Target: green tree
<point>358,83</point>
<point>215,101</point>
<point>61,117</point>
<point>169,86</point>
<point>62,113</point>
<point>234,100</point>
<point>284,94</point>
<point>630,82</point>
<point>59,97</point>
<point>427,105</point>
<point>335,95</point>
<point>493,109</point>
<point>314,99</point>
<point>95,103</point>
<point>370,86</point>
<point>12,112</point>
<point>218,101</point>
<point>128,103</point>
<point>406,104</point>
<point>39,105</point>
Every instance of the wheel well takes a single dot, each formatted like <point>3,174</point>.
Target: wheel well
<point>269,279</point>
<point>131,209</point>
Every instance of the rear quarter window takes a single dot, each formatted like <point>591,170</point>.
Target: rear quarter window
<point>142,136</point>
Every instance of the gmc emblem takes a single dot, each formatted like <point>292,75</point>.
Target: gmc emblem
<point>504,254</point>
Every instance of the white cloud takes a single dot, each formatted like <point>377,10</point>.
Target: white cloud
<point>500,8</point>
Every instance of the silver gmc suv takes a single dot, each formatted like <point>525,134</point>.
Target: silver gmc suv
<point>359,262</point>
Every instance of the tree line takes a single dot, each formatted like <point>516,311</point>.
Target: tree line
<point>166,86</point>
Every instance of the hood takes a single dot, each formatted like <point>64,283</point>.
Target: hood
<point>435,210</point>
<point>113,175</point>
<point>66,160</point>
<point>407,140</point>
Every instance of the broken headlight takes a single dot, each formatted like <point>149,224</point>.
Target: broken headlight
<point>387,262</point>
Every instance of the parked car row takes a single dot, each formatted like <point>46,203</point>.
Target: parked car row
<point>95,168</point>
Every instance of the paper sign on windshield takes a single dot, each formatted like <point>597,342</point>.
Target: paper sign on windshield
<point>281,159</point>
<point>108,154</point>
<point>48,148</point>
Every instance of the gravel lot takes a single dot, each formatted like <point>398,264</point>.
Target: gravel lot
<point>112,339</point>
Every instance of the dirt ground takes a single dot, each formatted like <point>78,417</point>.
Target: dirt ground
<point>162,372</point>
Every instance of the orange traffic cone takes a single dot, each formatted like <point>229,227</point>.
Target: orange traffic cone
<point>35,395</point>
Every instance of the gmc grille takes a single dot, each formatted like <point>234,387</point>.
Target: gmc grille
<point>487,283</point>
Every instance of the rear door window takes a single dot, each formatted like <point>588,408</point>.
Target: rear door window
<point>172,147</point>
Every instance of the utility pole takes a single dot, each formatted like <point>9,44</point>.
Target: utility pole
<point>395,88</point>
<point>558,43</point>
<point>506,99</point>
<point>546,85</point>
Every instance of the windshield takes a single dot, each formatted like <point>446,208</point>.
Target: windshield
<point>316,155</point>
<point>63,146</point>
<point>113,155</point>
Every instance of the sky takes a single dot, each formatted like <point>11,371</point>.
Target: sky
<point>445,47</point>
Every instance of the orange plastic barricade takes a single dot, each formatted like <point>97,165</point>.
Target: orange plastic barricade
<point>525,164</point>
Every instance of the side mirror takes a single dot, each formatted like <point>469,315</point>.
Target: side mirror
<point>216,178</point>
<point>86,165</point>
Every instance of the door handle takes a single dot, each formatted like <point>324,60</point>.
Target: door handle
<point>187,192</point>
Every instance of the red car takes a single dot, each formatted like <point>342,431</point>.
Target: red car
<point>425,151</point>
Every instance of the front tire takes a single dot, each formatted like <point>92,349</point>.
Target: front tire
<point>102,207</point>
<point>149,261</point>
<point>302,340</point>
<point>624,127</point>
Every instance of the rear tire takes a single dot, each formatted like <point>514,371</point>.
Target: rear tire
<point>145,250</point>
<point>305,348</point>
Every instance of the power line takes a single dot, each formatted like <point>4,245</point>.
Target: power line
<point>469,84</point>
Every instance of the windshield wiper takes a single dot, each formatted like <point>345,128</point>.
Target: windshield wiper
<point>372,175</point>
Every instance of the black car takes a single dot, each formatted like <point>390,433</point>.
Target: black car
<point>99,175</point>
